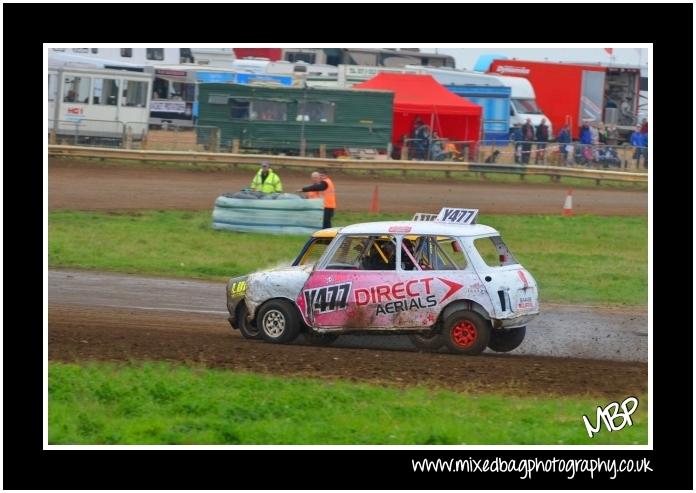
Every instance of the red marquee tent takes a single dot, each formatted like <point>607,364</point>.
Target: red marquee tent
<point>451,116</point>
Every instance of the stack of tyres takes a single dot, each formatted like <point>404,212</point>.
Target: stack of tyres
<point>254,212</point>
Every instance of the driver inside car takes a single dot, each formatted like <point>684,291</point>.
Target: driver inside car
<point>381,257</point>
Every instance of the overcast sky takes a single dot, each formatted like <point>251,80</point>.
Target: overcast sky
<point>466,57</point>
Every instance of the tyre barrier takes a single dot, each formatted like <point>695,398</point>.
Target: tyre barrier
<point>282,213</point>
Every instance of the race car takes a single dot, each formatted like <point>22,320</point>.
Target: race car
<point>443,280</point>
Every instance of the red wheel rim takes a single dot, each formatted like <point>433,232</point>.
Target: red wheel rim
<point>464,334</point>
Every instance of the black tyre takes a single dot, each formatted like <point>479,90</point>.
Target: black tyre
<point>317,339</point>
<point>466,332</point>
<point>504,340</point>
<point>427,341</point>
<point>278,322</point>
<point>248,329</point>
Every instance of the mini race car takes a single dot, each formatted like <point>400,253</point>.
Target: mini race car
<point>443,280</point>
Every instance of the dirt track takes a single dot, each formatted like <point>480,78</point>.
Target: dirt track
<point>89,333</point>
<point>100,316</point>
<point>82,186</point>
<point>568,331</point>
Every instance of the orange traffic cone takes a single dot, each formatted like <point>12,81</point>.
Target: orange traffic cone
<point>568,206</point>
<point>374,206</point>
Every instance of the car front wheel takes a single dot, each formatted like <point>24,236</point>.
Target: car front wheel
<point>466,332</point>
<point>246,328</point>
<point>278,322</point>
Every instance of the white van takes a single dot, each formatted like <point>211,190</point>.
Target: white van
<point>523,103</point>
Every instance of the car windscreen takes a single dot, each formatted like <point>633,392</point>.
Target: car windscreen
<point>526,106</point>
<point>312,251</point>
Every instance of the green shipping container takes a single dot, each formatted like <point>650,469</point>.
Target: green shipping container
<point>275,119</point>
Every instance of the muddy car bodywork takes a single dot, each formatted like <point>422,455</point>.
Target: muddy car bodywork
<point>309,254</point>
<point>341,298</point>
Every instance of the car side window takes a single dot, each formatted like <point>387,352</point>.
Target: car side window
<point>494,252</point>
<point>364,252</point>
<point>449,254</point>
<point>432,253</point>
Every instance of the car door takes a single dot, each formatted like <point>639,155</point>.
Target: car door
<point>436,272</point>
<point>348,286</point>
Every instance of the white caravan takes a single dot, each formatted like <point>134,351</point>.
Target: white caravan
<point>92,104</point>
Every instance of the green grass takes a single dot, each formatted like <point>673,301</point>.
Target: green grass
<point>584,259</point>
<point>102,403</point>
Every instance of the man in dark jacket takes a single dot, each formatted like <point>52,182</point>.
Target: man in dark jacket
<point>516,139</point>
<point>527,139</point>
<point>563,141</point>
<point>542,137</point>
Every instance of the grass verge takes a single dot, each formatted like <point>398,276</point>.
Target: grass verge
<point>102,403</point>
<point>584,259</point>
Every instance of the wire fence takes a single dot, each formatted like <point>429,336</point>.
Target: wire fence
<point>86,132</point>
<point>523,152</point>
<point>573,154</point>
<point>198,138</point>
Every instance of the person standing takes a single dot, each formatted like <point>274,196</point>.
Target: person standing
<point>603,134</point>
<point>423,137</point>
<point>644,135</point>
<point>266,180</point>
<point>612,135</point>
<point>595,133</point>
<point>563,142</point>
<point>416,148</point>
<point>542,137</point>
<point>638,142</point>
<point>516,139</point>
<point>324,188</point>
<point>527,139</point>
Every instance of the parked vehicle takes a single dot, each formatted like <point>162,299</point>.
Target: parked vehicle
<point>284,119</point>
<point>117,56</point>
<point>575,93</point>
<point>375,57</point>
<point>92,104</point>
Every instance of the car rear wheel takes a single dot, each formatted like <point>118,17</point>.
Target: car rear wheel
<point>278,322</point>
<point>504,340</point>
<point>427,341</point>
<point>248,329</point>
<point>467,333</point>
